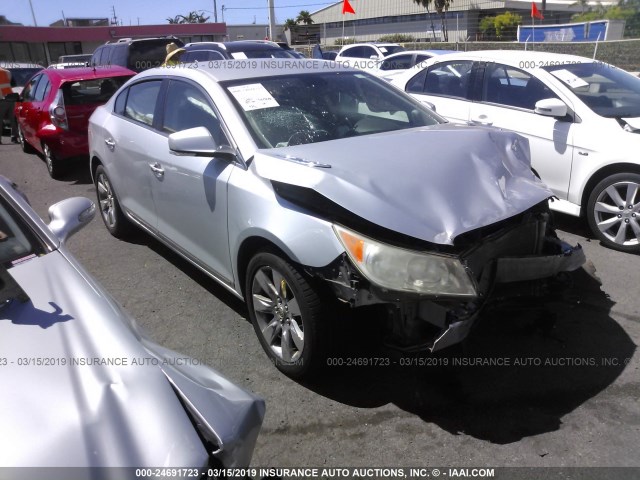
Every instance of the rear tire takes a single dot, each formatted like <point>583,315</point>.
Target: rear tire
<point>26,148</point>
<point>287,315</point>
<point>116,222</point>
<point>613,212</point>
<point>53,164</point>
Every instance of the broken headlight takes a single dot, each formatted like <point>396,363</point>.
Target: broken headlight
<point>404,270</point>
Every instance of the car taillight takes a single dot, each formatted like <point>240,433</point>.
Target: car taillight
<point>57,112</point>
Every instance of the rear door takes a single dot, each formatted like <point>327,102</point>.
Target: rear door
<point>447,86</point>
<point>37,114</point>
<point>132,146</point>
<point>24,108</point>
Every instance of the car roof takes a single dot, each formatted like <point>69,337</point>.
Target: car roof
<point>225,70</point>
<point>128,41</point>
<point>430,52</point>
<point>236,46</point>
<point>88,73</point>
<point>517,57</point>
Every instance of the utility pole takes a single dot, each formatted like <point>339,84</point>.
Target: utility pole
<point>215,11</point>
<point>115,18</point>
<point>272,21</point>
<point>33,14</point>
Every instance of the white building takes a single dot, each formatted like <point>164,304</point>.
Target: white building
<point>375,18</point>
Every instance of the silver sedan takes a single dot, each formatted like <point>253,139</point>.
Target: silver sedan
<point>81,384</point>
<point>303,185</point>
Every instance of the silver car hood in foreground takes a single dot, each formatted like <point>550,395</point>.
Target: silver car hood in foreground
<point>63,406</point>
<point>431,183</point>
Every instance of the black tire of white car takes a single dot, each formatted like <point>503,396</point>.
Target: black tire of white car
<point>613,212</point>
<point>26,148</point>
<point>116,222</point>
<point>53,164</point>
<point>289,313</point>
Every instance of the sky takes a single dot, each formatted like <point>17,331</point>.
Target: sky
<point>148,12</point>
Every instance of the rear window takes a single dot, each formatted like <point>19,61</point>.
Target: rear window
<point>148,54</point>
<point>85,92</point>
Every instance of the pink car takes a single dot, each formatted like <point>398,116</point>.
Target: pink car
<point>54,109</point>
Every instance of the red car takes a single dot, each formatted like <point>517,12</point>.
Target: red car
<point>54,109</point>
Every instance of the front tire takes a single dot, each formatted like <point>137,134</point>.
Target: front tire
<point>613,212</point>
<point>287,315</point>
<point>116,222</point>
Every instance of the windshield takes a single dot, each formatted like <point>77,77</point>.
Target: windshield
<point>391,49</point>
<point>607,90</point>
<point>308,108</point>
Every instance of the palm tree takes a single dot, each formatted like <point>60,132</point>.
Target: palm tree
<point>304,17</point>
<point>289,22</point>
<point>442,6</point>
<point>193,17</point>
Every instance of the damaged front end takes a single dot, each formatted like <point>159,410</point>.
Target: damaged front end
<point>515,257</point>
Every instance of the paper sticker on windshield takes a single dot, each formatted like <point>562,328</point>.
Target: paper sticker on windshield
<point>253,97</point>
<point>570,79</point>
<point>383,50</point>
<point>239,55</point>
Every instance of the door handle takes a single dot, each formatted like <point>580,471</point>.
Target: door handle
<point>157,170</point>
<point>110,143</point>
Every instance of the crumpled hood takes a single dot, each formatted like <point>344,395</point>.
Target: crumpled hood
<point>431,183</point>
<point>55,412</point>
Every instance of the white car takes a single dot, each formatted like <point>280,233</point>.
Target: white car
<point>367,56</point>
<point>581,117</point>
<point>400,62</point>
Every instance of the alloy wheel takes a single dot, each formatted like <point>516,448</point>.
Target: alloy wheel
<point>617,213</point>
<point>278,314</point>
<point>106,200</point>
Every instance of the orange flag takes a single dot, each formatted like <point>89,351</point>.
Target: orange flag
<point>347,8</point>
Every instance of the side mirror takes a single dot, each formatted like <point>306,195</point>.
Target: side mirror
<point>551,107</point>
<point>198,142</point>
<point>70,215</point>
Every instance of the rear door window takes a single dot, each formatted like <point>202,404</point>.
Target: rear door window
<point>450,79</point>
<point>28,94</point>
<point>42,90</point>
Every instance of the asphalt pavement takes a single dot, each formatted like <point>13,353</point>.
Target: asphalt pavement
<point>553,384</point>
